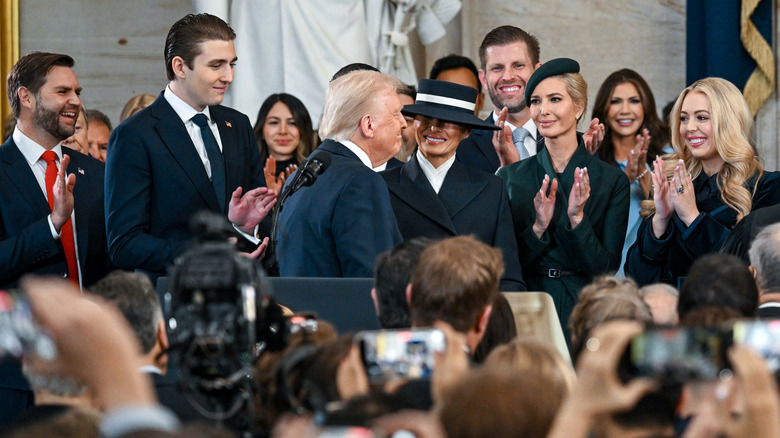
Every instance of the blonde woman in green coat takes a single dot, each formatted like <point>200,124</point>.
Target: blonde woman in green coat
<point>569,208</point>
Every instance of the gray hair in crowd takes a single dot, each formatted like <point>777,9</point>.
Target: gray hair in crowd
<point>765,258</point>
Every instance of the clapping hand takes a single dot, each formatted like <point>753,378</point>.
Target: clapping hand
<point>544,206</point>
<point>580,192</point>
<point>594,136</point>
<point>683,196</point>
<point>502,140</point>
<point>271,180</point>
<point>662,198</point>
<point>245,212</point>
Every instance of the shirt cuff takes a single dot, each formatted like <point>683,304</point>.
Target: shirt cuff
<point>254,239</point>
<point>133,418</point>
<point>54,234</point>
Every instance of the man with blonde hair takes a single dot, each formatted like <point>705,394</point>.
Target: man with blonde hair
<point>338,226</point>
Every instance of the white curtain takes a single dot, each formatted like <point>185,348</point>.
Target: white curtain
<point>295,46</point>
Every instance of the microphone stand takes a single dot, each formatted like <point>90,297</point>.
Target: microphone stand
<point>273,265</point>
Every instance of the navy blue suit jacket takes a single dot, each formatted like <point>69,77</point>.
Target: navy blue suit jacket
<point>156,182</point>
<point>26,244</point>
<point>469,202</point>
<point>340,224</point>
<point>477,149</point>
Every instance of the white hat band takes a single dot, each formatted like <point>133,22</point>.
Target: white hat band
<point>445,101</point>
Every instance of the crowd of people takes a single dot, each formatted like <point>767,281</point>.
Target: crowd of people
<point>627,222</point>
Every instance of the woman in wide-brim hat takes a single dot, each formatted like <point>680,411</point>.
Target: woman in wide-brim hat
<point>569,208</point>
<point>435,196</point>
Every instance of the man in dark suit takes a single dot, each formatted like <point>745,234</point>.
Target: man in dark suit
<point>340,224</point>
<point>746,230</point>
<point>134,295</point>
<point>765,267</point>
<point>183,154</point>
<point>508,57</point>
<point>50,223</point>
<point>435,196</point>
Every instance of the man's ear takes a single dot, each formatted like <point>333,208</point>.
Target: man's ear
<point>373,298</point>
<point>753,271</point>
<point>179,65</point>
<point>366,126</point>
<point>483,79</point>
<point>162,336</point>
<point>409,294</point>
<point>483,320</point>
<point>26,98</point>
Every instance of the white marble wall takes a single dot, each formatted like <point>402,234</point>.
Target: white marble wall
<point>118,44</point>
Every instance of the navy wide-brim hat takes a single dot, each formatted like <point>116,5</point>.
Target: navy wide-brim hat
<point>553,67</point>
<point>447,102</point>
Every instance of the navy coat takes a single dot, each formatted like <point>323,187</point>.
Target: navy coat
<point>156,182</point>
<point>340,224</point>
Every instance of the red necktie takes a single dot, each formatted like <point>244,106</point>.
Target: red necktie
<point>66,234</point>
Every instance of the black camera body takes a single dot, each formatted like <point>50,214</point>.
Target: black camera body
<point>220,317</point>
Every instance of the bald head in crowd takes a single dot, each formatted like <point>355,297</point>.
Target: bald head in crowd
<point>455,281</point>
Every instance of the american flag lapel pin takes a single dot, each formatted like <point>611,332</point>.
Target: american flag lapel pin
<point>81,171</point>
<point>229,125</point>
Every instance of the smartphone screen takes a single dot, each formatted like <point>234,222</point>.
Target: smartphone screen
<point>410,354</point>
<point>678,355</point>
<point>763,336</point>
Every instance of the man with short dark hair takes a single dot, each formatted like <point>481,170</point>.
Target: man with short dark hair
<point>184,153</point>
<point>51,202</point>
<point>392,272</point>
<point>407,94</point>
<point>456,281</point>
<point>459,70</point>
<point>508,57</point>
<point>135,297</point>
<point>98,134</point>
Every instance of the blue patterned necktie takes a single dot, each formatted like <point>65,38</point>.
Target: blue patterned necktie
<point>518,137</point>
<point>215,158</point>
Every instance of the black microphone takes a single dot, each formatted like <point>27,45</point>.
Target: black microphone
<point>314,167</point>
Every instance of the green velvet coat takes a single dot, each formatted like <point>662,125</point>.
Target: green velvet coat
<point>587,251</point>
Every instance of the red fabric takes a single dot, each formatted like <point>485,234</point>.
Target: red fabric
<point>66,234</point>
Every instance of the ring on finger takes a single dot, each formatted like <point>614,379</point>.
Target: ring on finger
<point>681,190</point>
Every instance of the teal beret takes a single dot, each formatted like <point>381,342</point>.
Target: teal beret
<point>553,67</point>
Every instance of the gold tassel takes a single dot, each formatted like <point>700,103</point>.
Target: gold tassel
<point>761,83</point>
<point>9,49</point>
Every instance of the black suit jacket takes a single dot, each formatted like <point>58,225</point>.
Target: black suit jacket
<point>741,237</point>
<point>26,244</point>
<point>156,182</point>
<point>469,202</point>
<point>477,149</point>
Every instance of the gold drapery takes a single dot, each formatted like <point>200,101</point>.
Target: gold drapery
<point>9,48</point>
<point>761,82</point>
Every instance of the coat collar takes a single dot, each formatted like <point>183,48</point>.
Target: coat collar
<point>457,191</point>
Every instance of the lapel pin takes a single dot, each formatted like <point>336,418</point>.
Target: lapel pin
<point>81,171</point>
<point>229,125</point>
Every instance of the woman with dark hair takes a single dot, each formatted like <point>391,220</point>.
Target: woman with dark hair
<point>634,136</point>
<point>569,208</point>
<point>711,181</point>
<point>284,135</point>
